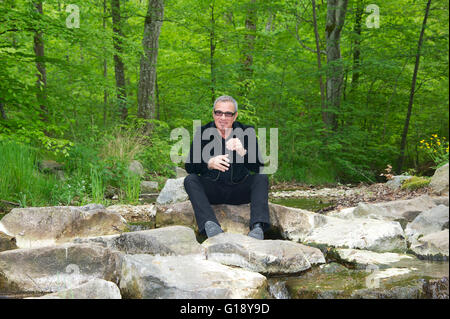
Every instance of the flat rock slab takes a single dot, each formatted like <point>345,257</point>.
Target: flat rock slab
<point>134,213</point>
<point>263,256</point>
<point>55,268</point>
<point>171,240</point>
<point>46,226</point>
<point>433,246</point>
<point>403,211</point>
<point>375,235</point>
<point>364,258</point>
<point>186,277</point>
<point>93,289</point>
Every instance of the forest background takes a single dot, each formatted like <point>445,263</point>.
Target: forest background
<point>353,86</point>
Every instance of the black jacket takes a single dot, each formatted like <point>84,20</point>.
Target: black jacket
<point>240,167</point>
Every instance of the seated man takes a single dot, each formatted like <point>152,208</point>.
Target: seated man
<point>221,157</point>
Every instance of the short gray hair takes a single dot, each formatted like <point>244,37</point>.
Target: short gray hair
<point>226,98</point>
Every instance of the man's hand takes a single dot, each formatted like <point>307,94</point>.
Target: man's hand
<point>220,162</point>
<point>235,144</point>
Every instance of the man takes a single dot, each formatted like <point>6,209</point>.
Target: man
<point>223,167</point>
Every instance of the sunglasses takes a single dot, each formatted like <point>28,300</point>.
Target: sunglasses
<point>220,113</point>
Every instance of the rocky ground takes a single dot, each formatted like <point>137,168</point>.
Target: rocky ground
<point>374,242</point>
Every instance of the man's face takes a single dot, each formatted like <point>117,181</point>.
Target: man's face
<point>223,121</point>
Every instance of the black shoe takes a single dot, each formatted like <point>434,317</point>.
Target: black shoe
<point>212,229</point>
<point>257,232</point>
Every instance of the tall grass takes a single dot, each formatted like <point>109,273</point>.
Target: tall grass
<point>20,180</point>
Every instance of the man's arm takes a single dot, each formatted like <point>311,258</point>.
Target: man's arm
<point>195,164</point>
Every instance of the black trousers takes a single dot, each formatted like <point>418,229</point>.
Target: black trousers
<point>204,192</point>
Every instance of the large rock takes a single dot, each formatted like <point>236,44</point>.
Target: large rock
<point>403,211</point>
<point>232,218</point>
<point>396,181</point>
<point>136,168</point>
<point>186,277</point>
<point>7,242</point>
<point>135,213</point>
<point>149,187</point>
<point>93,289</point>
<point>433,246</point>
<point>439,181</point>
<point>263,256</point>
<point>299,226</point>
<point>44,226</point>
<point>311,228</point>
<point>55,268</point>
<point>172,192</point>
<point>430,221</point>
<point>171,240</point>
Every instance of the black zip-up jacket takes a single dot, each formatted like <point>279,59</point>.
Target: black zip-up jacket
<point>240,167</point>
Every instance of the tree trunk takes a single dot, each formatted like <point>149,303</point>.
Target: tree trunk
<point>411,95</point>
<point>336,10</point>
<point>356,45</point>
<point>147,80</point>
<point>248,48</point>
<point>2,110</point>
<point>105,69</point>
<point>41,82</point>
<point>212,50</point>
<point>119,67</point>
<point>319,59</point>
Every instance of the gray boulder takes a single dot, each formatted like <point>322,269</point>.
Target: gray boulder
<point>44,226</point>
<point>439,181</point>
<point>149,187</point>
<point>136,168</point>
<point>166,241</point>
<point>396,181</point>
<point>310,228</point>
<point>56,268</point>
<point>403,211</point>
<point>172,192</point>
<point>428,222</point>
<point>93,289</point>
<point>263,256</point>
<point>433,246</point>
<point>186,277</point>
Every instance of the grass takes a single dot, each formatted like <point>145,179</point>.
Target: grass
<point>20,179</point>
<point>416,182</point>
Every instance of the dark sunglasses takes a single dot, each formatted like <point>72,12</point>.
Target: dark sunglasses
<point>227,114</point>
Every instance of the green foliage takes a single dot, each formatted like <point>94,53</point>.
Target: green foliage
<point>78,122</point>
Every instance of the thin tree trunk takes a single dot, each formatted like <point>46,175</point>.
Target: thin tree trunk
<point>319,60</point>
<point>411,95</point>
<point>212,50</point>
<point>356,45</point>
<point>147,80</point>
<point>336,10</point>
<point>119,67</point>
<point>105,70</point>
<point>41,82</point>
<point>2,111</point>
<point>248,51</point>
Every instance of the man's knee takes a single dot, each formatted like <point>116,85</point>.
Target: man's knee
<point>261,178</point>
<point>189,180</point>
